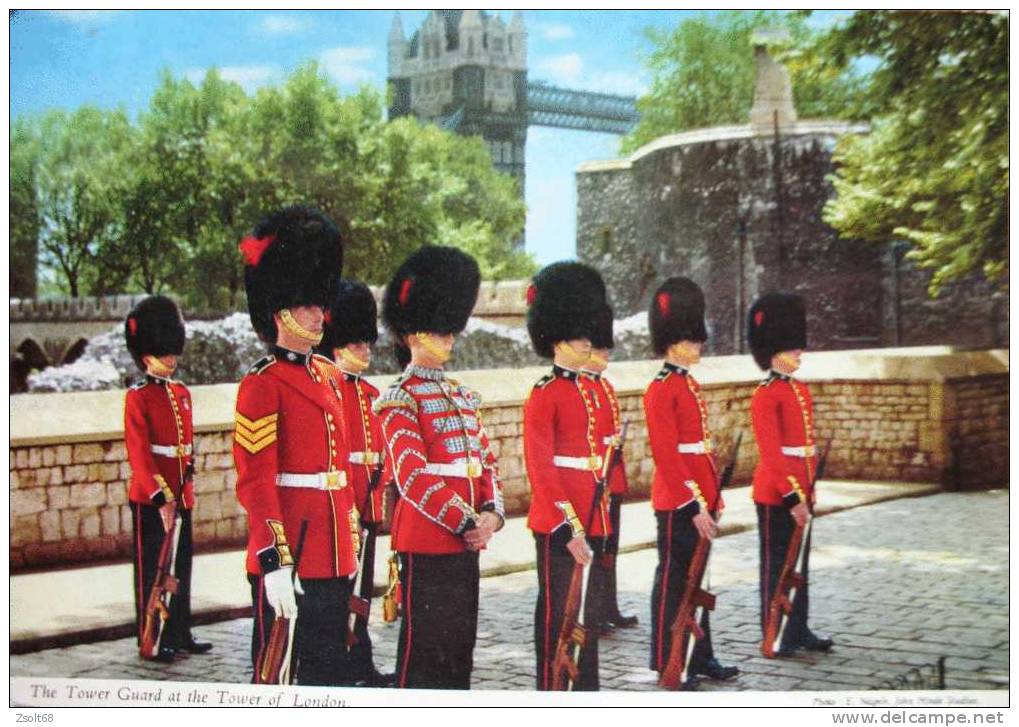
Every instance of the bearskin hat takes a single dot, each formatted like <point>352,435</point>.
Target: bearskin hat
<point>564,300</point>
<point>293,258</point>
<point>154,328</point>
<point>352,318</point>
<point>434,291</point>
<point>676,314</point>
<point>776,322</point>
<point>602,336</point>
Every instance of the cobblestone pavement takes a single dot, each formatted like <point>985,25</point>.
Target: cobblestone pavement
<point>897,584</point>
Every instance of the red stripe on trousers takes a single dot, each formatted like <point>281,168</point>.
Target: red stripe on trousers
<point>664,592</point>
<point>407,615</point>
<point>545,668</point>
<point>138,555</point>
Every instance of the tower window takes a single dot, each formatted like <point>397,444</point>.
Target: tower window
<point>603,241</point>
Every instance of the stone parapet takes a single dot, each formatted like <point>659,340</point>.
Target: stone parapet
<point>924,414</point>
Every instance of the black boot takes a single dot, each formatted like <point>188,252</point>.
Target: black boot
<point>615,618</point>
<point>713,669</point>
<point>192,646</point>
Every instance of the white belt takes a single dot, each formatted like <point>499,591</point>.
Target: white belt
<point>336,480</point>
<point>183,450</point>
<point>701,447</point>
<point>368,458</point>
<point>588,464</point>
<point>807,451</point>
<point>461,468</point>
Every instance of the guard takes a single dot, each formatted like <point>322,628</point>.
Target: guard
<point>159,440</point>
<point>684,492</point>
<point>350,332</point>
<point>610,427</point>
<point>564,456</point>
<point>290,446</point>
<point>782,413</point>
<point>450,501</point>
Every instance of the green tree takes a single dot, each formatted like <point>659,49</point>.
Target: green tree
<point>703,75</point>
<point>76,179</point>
<point>162,206</point>
<point>24,211</point>
<point>934,169</point>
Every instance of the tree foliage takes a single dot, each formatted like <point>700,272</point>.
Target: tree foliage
<point>703,75</point>
<point>160,205</point>
<point>934,169</point>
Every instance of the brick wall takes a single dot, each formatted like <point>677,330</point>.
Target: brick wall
<point>69,503</point>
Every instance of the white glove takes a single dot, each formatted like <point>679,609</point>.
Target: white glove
<point>298,588</point>
<point>279,592</point>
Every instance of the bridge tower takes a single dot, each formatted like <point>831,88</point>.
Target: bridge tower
<point>466,71</point>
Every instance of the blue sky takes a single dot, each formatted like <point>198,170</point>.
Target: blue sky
<point>113,58</point>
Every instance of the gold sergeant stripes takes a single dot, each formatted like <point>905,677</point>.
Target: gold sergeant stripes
<point>255,435</point>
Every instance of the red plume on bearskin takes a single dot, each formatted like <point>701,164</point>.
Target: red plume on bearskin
<point>132,325</point>
<point>663,304</point>
<point>252,248</point>
<point>532,293</point>
<point>405,287</point>
<point>776,322</point>
<point>676,314</point>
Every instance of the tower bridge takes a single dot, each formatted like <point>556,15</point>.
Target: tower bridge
<point>466,70</point>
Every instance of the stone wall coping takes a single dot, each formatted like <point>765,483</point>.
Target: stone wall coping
<point>723,133</point>
<point>90,416</point>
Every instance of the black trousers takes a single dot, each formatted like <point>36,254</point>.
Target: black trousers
<point>360,662</point>
<point>555,570</point>
<point>148,541</point>
<point>319,653</point>
<point>677,538</point>
<point>440,620</point>
<point>775,526</point>
<point>607,594</point>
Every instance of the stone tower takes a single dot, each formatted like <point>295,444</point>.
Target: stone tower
<point>739,209</point>
<point>465,70</point>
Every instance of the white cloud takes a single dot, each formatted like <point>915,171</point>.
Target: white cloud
<point>249,77</point>
<point>568,70</point>
<point>623,84</point>
<point>562,69</point>
<point>345,64</point>
<point>85,17</point>
<point>555,31</point>
<point>283,25</point>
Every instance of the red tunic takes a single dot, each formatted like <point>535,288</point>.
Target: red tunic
<point>441,460</point>
<point>289,421</point>
<point>367,445</point>
<point>610,427</point>
<point>782,414</point>
<point>157,412</point>
<point>560,421</point>
<point>676,415</point>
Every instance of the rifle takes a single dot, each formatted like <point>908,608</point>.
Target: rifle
<point>274,661</point>
<point>361,598</point>
<point>164,588</point>
<point>686,627</point>
<point>791,580</point>
<point>573,634</point>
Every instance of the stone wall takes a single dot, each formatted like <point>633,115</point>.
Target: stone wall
<point>925,415</point>
<point>739,210</point>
